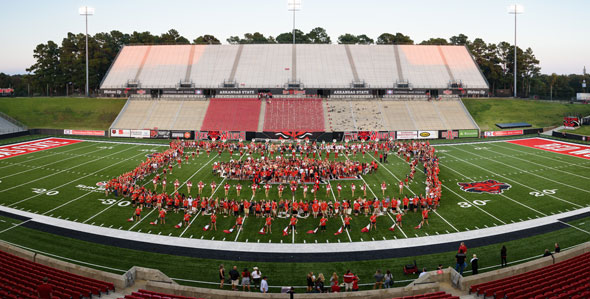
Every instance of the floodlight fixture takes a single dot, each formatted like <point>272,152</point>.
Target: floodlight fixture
<point>515,9</point>
<point>86,11</point>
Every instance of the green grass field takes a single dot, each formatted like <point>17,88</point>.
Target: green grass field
<point>55,183</point>
<point>583,130</point>
<point>488,112</point>
<point>63,113</point>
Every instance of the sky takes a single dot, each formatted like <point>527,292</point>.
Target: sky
<point>555,30</point>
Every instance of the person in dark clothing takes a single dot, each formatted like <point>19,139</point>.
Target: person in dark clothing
<point>460,266</point>
<point>557,249</point>
<point>547,253</point>
<point>234,275</point>
<point>503,256</point>
<point>474,265</point>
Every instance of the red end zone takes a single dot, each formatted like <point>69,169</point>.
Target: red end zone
<point>570,149</point>
<point>18,149</point>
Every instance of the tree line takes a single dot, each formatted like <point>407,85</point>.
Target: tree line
<point>59,69</point>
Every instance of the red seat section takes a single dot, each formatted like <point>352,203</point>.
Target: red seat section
<point>24,276</point>
<point>437,295</point>
<point>566,279</point>
<point>145,294</point>
<point>294,115</point>
<point>232,115</point>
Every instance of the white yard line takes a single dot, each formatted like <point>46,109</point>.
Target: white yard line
<point>92,173</point>
<point>190,223</point>
<point>341,218</point>
<point>573,226</point>
<point>435,212</point>
<point>146,216</point>
<point>512,180</point>
<point>556,158</point>
<point>50,175</point>
<point>13,226</point>
<point>52,154</point>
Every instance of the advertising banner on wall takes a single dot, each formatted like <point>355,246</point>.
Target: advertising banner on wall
<point>468,133</point>
<point>140,133</point>
<point>427,134</point>
<point>84,132</point>
<point>449,134</point>
<point>220,135</point>
<point>401,135</point>
<point>502,133</point>
<point>236,92</point>
<point>182,135</point>
<point>369,135</point>
<point>350,92</point>
<point>159,134</point>
<point>120,133</point>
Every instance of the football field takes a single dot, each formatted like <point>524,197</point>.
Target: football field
<point>485,184</point>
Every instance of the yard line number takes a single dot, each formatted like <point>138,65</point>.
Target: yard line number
<point>110,201</point>
<point>44,191</point>
<point>478,202</point>
<point>543,193</point>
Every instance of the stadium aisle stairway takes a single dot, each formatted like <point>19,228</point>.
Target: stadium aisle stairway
<point>437,295</point>
<point>566,279</point>
<point>20,278</point>
<point>232,115</point>
<point>144,294</point>
<point>294,115</point>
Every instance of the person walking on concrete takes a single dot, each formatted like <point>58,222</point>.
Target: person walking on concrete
<point>503,256</point>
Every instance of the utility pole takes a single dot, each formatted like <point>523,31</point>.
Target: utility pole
<point>86,11</point>
<point>515,9</point>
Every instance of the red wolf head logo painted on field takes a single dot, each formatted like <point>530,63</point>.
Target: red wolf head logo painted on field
<point>489,186</point>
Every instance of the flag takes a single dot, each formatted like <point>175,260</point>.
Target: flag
<point>366,228</point>
<point>229,231</point>
<point>286,231</point>
<point>419,225</point>
<point>179,225</point>
<point>313,231</point>
<point>154,222</point>
<point>339,231</point>
<point>206,228</point>
<point>262,231</point>
<point>392,228</point>
<point>130,219</point>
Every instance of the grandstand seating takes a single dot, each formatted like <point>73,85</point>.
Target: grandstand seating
<point>166,114</point>
<point>355,115</point>
<point>144,294</point>
<point>436,295</point>
<point>566,279</point>
<point>289,114</point>
<point>9,125</point>
<point>263,66</point>
<point>20,278</point>
<point>232,115</point>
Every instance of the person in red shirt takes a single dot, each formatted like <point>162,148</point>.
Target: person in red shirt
<point>187,218</point>
<point>45,290</point>
<point>364,189</point>
<point>373,220</point>
<point>383,188</point>
<point>339,188</point>
<point>239,222</point>
<point>328,188</point>
<point>200,185</point>
<point>293,223</point>
<point>176,185</point>
<point>138,214</point>
<point>254,187</point>
<point>163,216</point>
<point>424,217</point>
<point>352,189</point>
<point>323,222</point>
<point>268,224</point>
<point>238,189</point>
<point>315,208</point>
<point>226,188</point>
<point>401,187</point>
<point>214,221</point>
<point>164,185</point>
<point>398,219</point>
<point>406,203</point>
<point>281,188</point>
<point>347,222</point>
<point>247,205</point>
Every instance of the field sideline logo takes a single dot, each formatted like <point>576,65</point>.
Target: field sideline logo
<point>489,186</point>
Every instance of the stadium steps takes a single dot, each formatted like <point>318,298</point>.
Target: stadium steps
<point>327,122</point>
<point>173,122</point>
<point>261,117</point>
<point>149,113</point>
<point>410,115</point>
<point>10,125</point>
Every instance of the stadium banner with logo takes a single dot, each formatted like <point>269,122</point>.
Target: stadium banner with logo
<point>120,133</point>
<point>468,133</point>
<point>503,133</point>
<point>405,91</point>
<point>571,122</point>
<point>368,135</point>
<point>182,134</point>
<point>448,134</point>
<point>140,133</point>
<point>220,135</point>
<point>295,135</point>
<point>239,92</point>
<point>351,92</point>
<point>182,91</point>
<point>427,134</point>
<point>159,134</point>
<point>84,132</point>
<point>402,135</point>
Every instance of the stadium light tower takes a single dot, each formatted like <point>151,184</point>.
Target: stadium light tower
<point>86,11</point>
<point>515,9</point>
<point>294,5</point>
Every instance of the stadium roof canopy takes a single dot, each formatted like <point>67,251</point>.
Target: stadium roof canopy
<point>308,66</point>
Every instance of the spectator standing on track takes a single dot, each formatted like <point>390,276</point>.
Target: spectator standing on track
<point>463,248</point>
<point>474,264</point>
<point>378,280</point>
<point>503,256</point>
<point>45,290</point>
<point>348,278</point>
<point>460,266</point>
<point>423,272</point>
<point>547,253</point>
<point>234,275</point>
<point>557,248</point>
<point>388,280</point>
<point>256,275</point>
<point>334,284</point>
<point>355,283</point>
<point>310,281</point>
<point>264,285</point>
<point>319,283</point>
<point>246,280</point>
<point>221,276</point>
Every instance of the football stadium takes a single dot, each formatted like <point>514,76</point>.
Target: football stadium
<point>151,166</point>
